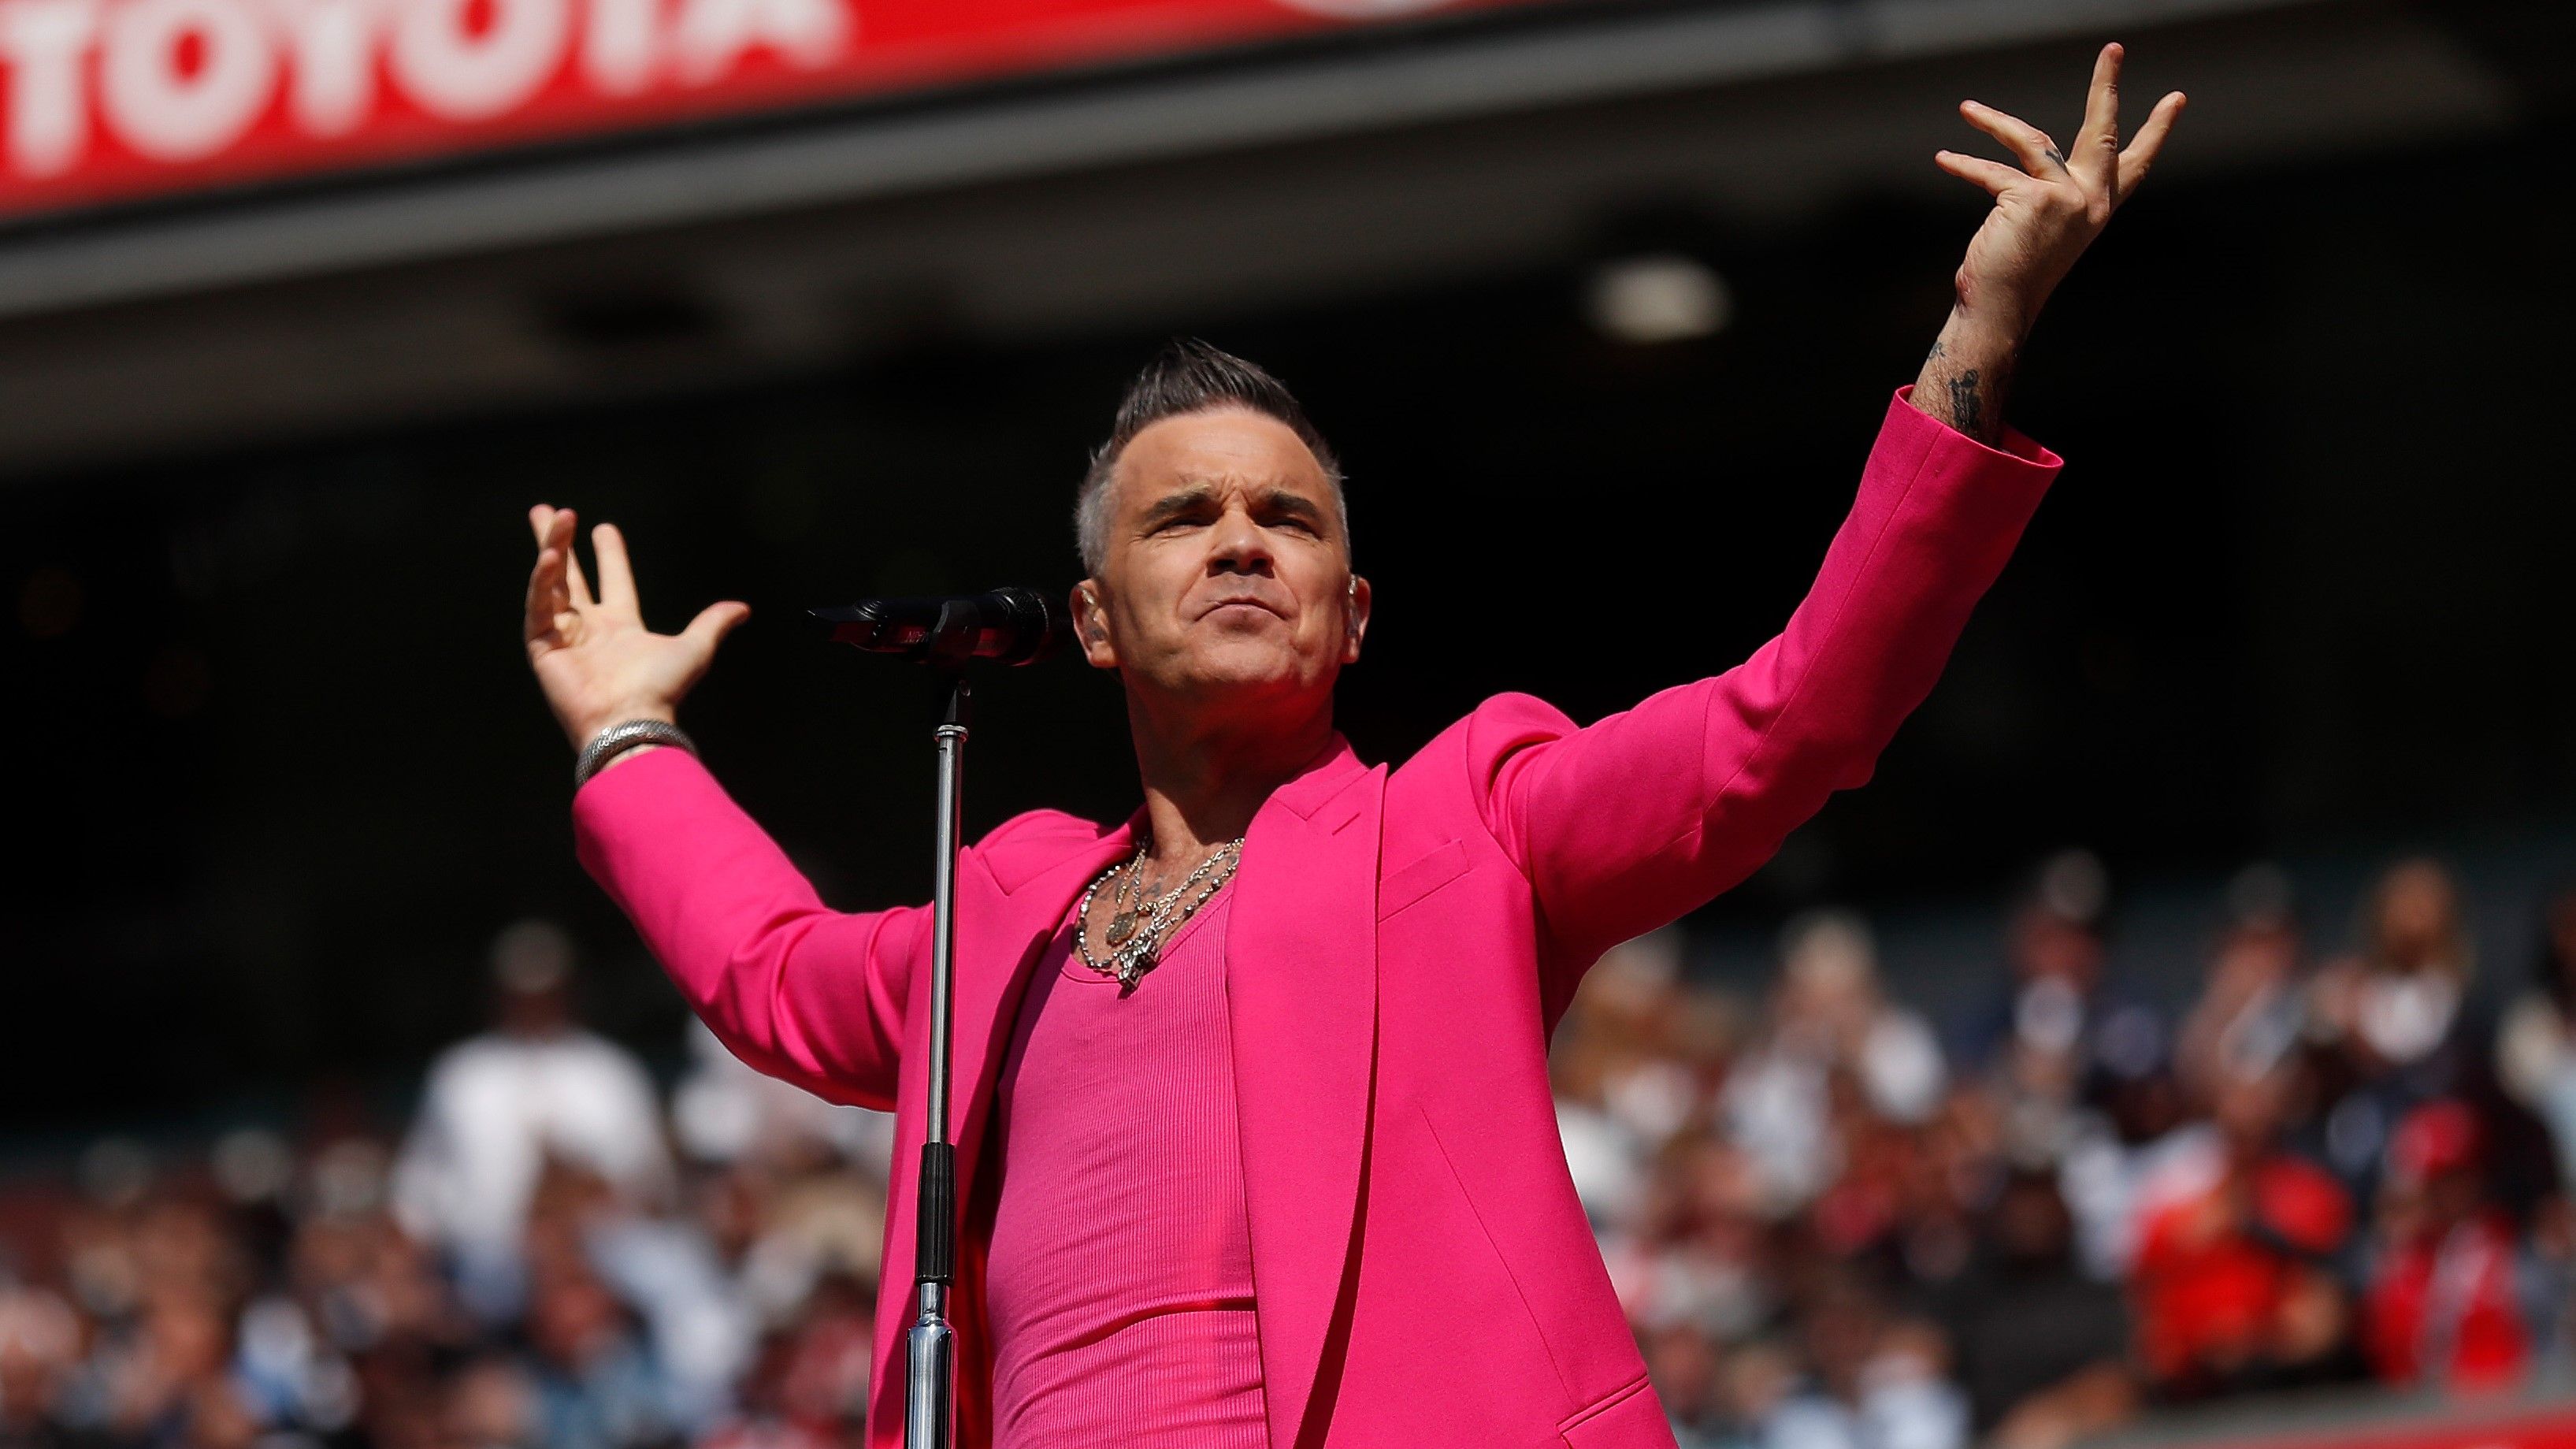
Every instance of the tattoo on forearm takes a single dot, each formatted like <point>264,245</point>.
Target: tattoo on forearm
<point>1964,386</point>
<point>1967,412</point>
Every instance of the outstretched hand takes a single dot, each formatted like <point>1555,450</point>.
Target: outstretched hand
<point>2049,207</point>
<point>595,660</point>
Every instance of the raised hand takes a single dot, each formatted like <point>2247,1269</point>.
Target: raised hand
<point>593,657</point>
<point>2048,208</point>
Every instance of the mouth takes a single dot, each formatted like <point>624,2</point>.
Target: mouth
<point>1241,604</point>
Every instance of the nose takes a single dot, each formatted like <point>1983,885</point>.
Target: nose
<point>1237,545</point>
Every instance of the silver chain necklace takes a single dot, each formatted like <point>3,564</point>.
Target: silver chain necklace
<point>1141,923</point>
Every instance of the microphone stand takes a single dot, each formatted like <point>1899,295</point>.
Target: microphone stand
<point>930,1347</point>
<point>960,627</point>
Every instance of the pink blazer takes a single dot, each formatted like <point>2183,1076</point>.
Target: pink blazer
<point>1424,1274</point>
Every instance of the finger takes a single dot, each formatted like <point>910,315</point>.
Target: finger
<point>554,528</point>
<point>547,600</point>
<point>616,576</point>
<point>553,525</point>
<point>2151,140</point>
<point>713,623</point>
<point>1994,176</point>
<point>2097,146</point>
<point>2029,144</point>
<point>559,535</point>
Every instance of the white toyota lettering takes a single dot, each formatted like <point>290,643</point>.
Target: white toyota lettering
<point>176,81</point>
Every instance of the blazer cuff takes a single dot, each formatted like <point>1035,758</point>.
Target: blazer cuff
<point>634,799</point>
<point>2018,449</point>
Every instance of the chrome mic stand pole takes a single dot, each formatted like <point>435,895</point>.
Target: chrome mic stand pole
<point>1009,626</point>
<point>930,1348</point>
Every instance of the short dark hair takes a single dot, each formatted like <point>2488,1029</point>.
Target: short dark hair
<point>1190,376</point>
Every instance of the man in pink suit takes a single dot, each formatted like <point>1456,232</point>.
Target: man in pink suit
<point>1255,1144</point>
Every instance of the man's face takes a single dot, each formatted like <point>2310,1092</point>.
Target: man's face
<point>1226,582</point>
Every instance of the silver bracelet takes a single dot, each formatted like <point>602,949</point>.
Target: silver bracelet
<point>617,739</point>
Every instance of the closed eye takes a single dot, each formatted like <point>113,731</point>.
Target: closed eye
<point>1284,509</point>
<point>1185,511</point>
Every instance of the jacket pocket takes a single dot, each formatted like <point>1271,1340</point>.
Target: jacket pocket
<point>1428,872</point>
<point>1628,1417</point>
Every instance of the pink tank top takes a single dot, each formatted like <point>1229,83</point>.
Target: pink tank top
<point>1120,1275</point>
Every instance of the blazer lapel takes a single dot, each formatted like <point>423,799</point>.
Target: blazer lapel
<point>1011,920</point>
<point>1010,898</point>
<point>1301,993</point>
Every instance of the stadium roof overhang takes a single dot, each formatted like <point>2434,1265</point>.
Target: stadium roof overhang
<point>1279,151</point>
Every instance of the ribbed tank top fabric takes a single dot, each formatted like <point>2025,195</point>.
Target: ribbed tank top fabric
<point>1119,1282</point>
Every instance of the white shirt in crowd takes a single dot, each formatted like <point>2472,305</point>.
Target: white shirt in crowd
<point>496,1106</point>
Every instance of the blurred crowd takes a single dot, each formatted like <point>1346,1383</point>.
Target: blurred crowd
<point>1838,1227</point>
<point>554,1253</point>
<point>1834,1223</point>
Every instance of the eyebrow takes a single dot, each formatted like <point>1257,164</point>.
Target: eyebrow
<point>1275,499</point>
<point>1172,505</point>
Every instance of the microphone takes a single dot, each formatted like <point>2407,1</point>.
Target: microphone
<point>1008,626</point>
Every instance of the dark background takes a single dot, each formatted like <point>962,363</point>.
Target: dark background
<point>276,770</point>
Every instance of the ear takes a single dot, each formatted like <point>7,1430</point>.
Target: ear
<point>1091,626</point>
<point>1355,617</point>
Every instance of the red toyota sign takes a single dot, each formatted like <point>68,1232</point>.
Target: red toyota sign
<point>119,98</point>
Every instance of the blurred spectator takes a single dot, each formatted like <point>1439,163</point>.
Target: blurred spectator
<point>1829,1023</point>
<point>2536,1047</point>
<point>498,1106</point>
<point>2393,1014</point>
<point>2079,1074</point>
<point>2043,1348</point>
<point>596,1386</point>
<point>1633,1064</point>
<point>2063,1035</point>
<point>2247,1021</point>
<point>1876,1380</point>
<point>809,1386</point>
<point>490,1404</point>
<point>2252,1007</point>
<point>1685,1364</point>
<point>2444,1301</point>
<point>40,1350</point>
<point>2055,956</point>
<point>723,1111</point>
<point>2234,1275</point>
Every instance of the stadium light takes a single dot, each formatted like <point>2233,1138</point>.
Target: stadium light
<point>1656,297</point>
